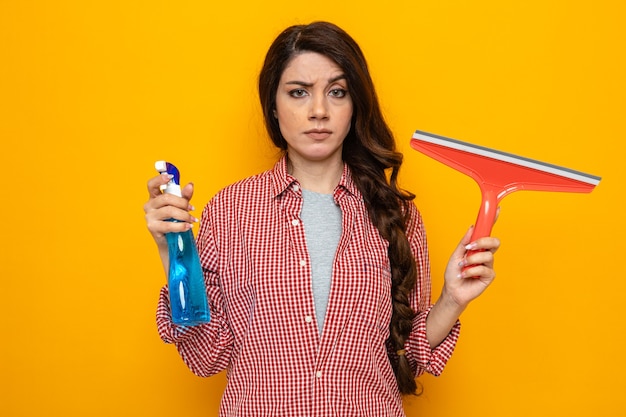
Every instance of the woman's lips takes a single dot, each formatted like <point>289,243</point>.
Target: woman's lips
<point>318,134</point>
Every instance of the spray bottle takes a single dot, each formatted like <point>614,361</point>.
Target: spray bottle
<point>187,290</point>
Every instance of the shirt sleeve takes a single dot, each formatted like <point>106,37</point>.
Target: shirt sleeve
<point>206,348</point>
<point>421,357</point>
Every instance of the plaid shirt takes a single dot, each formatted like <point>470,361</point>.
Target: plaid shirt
<point>263,330</point>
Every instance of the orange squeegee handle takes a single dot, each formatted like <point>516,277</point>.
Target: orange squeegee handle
<point>488,211</point>
<point>487,214</point>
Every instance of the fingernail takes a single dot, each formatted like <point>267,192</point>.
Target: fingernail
<point>191,208</point>
<point>462,263</point>
<point>471,246</point>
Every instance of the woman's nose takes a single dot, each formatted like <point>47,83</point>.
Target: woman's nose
<point>319,108</point>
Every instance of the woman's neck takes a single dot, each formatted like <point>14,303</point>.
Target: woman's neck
<point>320,177</point>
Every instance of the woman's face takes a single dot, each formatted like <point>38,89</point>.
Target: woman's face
<point>313,108</point>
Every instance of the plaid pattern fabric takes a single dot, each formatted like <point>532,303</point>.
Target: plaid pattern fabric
<point>263,329</point>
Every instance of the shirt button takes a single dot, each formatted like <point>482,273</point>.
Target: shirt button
<point>296,188</point>
<point>318,374</point>
<point>295,222</point>
<point>308,319</point>
<point>302,262</point>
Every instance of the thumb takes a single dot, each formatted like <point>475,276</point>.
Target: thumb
<point>187,191</point>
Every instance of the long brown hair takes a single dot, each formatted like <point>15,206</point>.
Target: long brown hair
<point>370,152</point>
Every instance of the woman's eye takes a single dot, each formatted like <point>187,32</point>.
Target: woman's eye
<point>299,92</point>
<point>338,92</point>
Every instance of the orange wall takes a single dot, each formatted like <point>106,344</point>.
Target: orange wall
<point>92,92</point>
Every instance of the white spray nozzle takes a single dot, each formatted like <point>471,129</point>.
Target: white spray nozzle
<point>161,166</point>
<point>173,186</point>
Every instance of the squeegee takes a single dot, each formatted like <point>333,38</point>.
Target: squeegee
<point>498,174</point>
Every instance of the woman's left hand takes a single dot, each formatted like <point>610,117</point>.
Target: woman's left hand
<point>470,269</point>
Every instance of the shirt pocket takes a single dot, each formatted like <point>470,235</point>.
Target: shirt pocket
<point>375,294</point>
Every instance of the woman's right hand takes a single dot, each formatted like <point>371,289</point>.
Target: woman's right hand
<point>162,207</point>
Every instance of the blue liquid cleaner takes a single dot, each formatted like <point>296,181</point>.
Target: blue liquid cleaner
<point>188,299</point>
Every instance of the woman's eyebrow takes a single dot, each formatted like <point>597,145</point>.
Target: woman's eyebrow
<point>337,78</point>
<point>305,84</point>
<point>300,83</point>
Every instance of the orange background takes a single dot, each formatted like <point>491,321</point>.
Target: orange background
<point>93,92</point>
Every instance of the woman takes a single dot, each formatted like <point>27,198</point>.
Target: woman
<point>317,270</point>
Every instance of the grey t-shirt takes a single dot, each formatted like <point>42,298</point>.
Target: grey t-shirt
<point>322,229</point>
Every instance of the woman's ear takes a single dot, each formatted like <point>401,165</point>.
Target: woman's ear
<point>275,114</point>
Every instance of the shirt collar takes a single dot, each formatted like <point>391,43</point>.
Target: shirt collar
<point>282,180</point>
